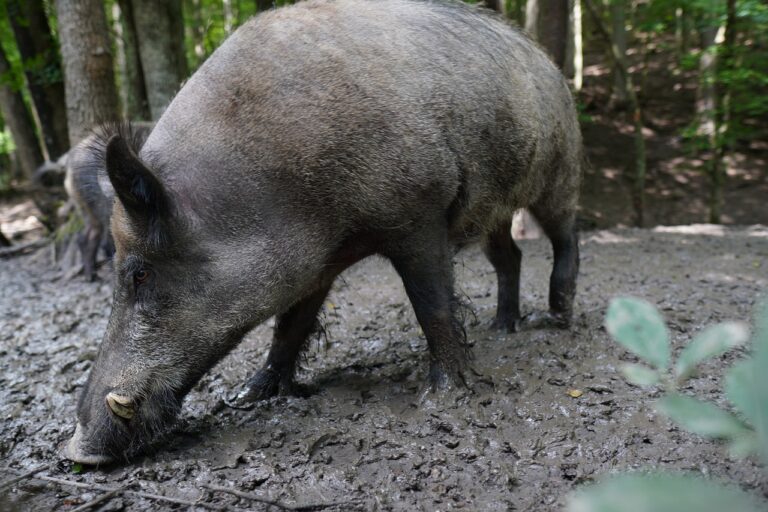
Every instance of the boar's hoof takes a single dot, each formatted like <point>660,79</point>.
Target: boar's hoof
<point>546,320</point>
<point>265,384</point>
<point>441,380</point>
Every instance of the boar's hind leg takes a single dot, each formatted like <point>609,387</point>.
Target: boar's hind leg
<point>559,228</point>
<point>505,256</point>
<point>292,329</point>
<point>88,242</point>
<point>427,273</point>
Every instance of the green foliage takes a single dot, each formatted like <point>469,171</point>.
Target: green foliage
<point>638,326</point>
<point>711,342</point>
<point>661,492</point>
<point>13,77</point>
<point>640,375</point>
<point>702,418</point>
<point>635,325</point>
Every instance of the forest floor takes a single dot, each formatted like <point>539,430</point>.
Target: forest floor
<point>362,441</point>
<point>677,188</point>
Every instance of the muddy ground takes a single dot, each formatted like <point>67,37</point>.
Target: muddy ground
<point>362,440</point>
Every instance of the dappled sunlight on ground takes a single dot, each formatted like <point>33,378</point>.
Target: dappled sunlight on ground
<point>18,220</point>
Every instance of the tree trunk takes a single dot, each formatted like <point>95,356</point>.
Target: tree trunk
<point>574,61</point>
<point>134,91</point>
<point>263,5</point>
<point>706,111</point>
<point>195,31</point>
<point>229,16</point>
<point>619,41</point>
<point>44,78</point>
<point>160,32</point>
<point>682,30</point>
<point>20,122</point>
<point>547,22</point>
<point>89,77</point>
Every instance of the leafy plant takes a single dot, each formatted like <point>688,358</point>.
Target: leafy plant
<point>639,327</point>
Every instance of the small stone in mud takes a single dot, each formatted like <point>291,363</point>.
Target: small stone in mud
<point>556,381</point>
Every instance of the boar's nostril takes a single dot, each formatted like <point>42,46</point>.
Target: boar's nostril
<point>120,405</point>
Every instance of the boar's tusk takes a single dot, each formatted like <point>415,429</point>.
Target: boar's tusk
<point>120,405</point>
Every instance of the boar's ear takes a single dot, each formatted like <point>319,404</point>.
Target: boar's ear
<point>138,189</point>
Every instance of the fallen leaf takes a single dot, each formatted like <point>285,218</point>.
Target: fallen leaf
<point>575,393</point>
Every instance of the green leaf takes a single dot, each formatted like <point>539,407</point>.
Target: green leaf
<point>740,387</point>
<point>638,326</point>
<point>702,418</point>
<point>711,342</point>
<point>77,468</point>
<point>661,492</point>
<point>640,375</point>
<point>760,388</point>
<point>744,446</point>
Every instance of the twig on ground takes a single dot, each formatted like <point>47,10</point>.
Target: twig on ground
<point>18,250</point>
<point>9,483</point>
<point>248,496</point>
<point>272,503</point>
<point>126,492</point>
<point>100,499</point>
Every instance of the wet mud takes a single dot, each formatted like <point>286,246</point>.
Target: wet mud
<point>364,439</point>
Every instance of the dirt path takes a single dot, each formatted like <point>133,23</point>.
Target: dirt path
<point>520,443</point>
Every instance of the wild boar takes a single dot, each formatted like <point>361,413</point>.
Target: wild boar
<point>93,199</point>
<point>317,135</point>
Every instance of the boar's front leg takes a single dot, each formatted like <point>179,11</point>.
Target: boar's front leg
<point>427,273</point>
<point>292,329</point>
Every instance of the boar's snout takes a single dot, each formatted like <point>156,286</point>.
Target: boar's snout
<point>114,424</point>
<point>76,449</point>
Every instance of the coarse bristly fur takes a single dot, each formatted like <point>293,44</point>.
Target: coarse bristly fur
<point>317,135</point>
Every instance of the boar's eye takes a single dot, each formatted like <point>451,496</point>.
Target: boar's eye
<point>141,276</point>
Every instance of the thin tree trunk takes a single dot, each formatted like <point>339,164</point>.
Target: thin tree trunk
<point>195,31</point>
<point>160,32</point>
<point>619,40</point>
<point>638,192</point>
<point>28,148</point>
<point>706,110</point>
<point>46,87</point>
<point>89,77</point>
<point>574,61</point>
<point>725,63</point>
<point>18,118</point>
<point>547,22</point>
<point>682,31</point>
<point>134,91</point>
<point>229,16</point>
